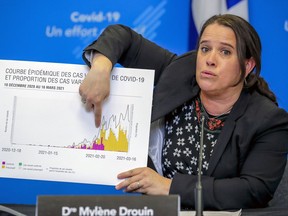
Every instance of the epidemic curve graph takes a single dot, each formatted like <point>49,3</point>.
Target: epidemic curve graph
<point>113,135</point>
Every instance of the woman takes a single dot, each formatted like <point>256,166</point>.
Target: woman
<point>245,133</point>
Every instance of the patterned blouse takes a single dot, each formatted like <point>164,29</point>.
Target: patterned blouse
<point>182,138</point>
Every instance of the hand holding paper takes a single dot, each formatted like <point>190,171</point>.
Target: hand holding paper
<point>47,134</point>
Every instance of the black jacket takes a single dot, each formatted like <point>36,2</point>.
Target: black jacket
<point>251,152</point>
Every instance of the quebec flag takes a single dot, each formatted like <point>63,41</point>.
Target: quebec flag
<point>204,9</point>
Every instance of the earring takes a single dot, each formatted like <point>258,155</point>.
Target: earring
<point>245,82</point>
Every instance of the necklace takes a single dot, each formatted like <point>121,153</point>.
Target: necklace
<point>213,122</point>
<point>213,115</point>
<point>216,115</point>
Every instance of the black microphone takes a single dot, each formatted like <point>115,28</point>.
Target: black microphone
<point>198,188</point>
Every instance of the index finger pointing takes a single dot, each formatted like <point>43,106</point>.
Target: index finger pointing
<point>98,114</point>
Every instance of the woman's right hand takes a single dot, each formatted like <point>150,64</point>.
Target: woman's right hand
<point>95,87</point>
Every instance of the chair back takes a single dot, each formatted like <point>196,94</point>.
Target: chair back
<point>280,198</point>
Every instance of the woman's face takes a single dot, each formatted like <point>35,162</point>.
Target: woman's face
<point>218,68</point>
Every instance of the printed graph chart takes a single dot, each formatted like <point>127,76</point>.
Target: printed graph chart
<point>34,124</point>
<point>114,134</point>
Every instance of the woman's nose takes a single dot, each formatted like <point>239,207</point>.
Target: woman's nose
<point>211,59</point>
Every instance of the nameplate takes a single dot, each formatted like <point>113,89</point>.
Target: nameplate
<point>107,205</point>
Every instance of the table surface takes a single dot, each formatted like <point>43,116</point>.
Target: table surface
<point>29,210</point>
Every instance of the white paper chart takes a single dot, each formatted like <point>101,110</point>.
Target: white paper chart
<point>47,134</point>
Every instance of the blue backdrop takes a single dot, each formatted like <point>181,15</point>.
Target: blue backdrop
<point>270,18</point>
<point>51,31</point>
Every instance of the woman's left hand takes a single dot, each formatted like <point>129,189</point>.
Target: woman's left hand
<point>144,180</point>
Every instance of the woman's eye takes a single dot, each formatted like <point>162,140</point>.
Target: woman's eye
<point>204,49</point>
<point>225,52</point>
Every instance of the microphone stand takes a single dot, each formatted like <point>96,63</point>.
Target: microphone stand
<point>198,188</point>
